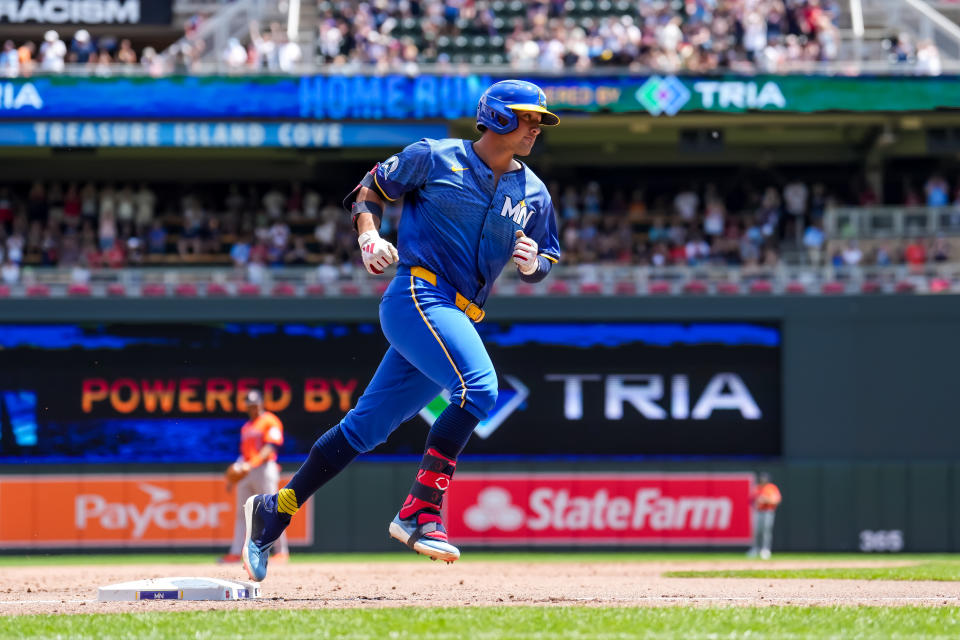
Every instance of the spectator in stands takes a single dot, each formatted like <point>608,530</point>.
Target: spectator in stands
<point>240,255</point>
<point>289,54</point>
<point>72,206</point>
<point>298,254</point>
<point>10,271</point>
<point>125,206</point>
<point>813,241</point>
<point>265,54</point>
<point>146,201</point>
<point>915,254</point>
<point>234,55</point>
<point>9,60</point>
<point>883,256</point>
<point>191,240</point>
<point>52,52</point>
<point>852,255</point>
<point>125,54</point>
<point>928,58</point>
<point>937,191</point>
<point>26,53</point>
<point>81,47</point>
<point>88,202</point>
<point>157,239</point>
<point>107,229</point>
<point>6,211</point>
<point>940,249</point>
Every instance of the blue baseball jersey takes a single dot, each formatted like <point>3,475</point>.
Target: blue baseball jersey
<point>456,221</point>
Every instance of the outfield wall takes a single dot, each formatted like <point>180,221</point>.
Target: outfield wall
<point>869,448</point>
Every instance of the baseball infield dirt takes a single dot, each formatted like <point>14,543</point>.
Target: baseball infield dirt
<point>73,589</point>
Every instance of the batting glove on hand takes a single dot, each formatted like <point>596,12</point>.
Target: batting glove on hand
<point>378,254</point>
<point>525,254</point>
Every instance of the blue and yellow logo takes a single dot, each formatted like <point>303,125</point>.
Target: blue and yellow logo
<point>663,95</point>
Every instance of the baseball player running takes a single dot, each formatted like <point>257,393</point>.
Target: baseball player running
<point>256,470</point>
<point>469,208</point>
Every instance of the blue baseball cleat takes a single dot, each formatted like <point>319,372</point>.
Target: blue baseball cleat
<point>424,533</point>
<point>264,526</point>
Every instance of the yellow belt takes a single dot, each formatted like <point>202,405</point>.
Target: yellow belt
<point>463,303</point>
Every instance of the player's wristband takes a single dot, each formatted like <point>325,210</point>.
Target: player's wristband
<point>366,206</point>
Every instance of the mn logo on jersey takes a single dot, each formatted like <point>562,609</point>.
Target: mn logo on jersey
<point>519,213</point>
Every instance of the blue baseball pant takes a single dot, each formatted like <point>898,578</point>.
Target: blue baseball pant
<point>433,346</point>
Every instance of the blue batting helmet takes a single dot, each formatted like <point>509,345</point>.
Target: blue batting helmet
<point>506,97</point>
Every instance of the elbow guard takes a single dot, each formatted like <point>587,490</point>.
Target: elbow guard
<point>355,207</point>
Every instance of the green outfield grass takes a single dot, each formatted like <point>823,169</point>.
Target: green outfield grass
<point>941,570</point>
<point>522,623</point>
<point>402,555</point>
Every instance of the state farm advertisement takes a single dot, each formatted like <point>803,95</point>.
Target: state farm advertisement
<point>600,509</point>
<point>124,510</point>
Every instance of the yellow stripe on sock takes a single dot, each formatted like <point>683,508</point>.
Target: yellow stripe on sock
<point>287,502</point>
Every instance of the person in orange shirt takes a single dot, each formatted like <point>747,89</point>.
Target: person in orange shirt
<point>765,500</point>
<point>256,469</point>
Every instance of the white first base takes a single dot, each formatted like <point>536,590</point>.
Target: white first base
<point>179,589</point>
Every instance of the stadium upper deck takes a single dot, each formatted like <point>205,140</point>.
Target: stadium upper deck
<point>558,36</point>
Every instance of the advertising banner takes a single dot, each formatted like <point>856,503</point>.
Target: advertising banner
<point>86,12</point>
<point>174,393</point>
<point>124,510</point>
<point>393,97</point>
<point>488,509</point>
<point>300,135</point>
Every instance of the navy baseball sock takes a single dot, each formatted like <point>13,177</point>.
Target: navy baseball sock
<point>451,431</point>
<point>328,457</point>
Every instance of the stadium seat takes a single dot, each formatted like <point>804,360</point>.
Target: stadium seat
<point>78,289</point>
<point>153,290</point>
<point>349,289</point>
<point>185,290</point>
<point>625,288</point>
<point>905,286</point>
<point>248,289</point>
<point>380,287</point>
<point>870,286</point>
<point>833,288</point>
<point>524,289</point>
<point>658,287</point>
<point>38,291</point>
<point>695,287</point>
<point>591,288</point>
<point>116,289</point>
<point>761,287</point>
<point>283,289</point>
<point>316,290</point>
<point>796,287</point>
<point>728,288</point>
<point>4,291</point>
<point>215,289</point>
<point>558,288</point>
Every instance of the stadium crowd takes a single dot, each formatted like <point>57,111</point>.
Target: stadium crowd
<point>697,36</point>
<point>259,227</point>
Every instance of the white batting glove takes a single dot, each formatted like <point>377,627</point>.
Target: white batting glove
<point>525,254</point>
<point>378,254</point>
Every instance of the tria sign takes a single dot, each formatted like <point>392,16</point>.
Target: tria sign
<point>740,95</point>
<point>670,94</point>
<point>627,508</point>
<point>14,97</point>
